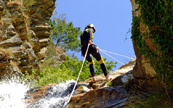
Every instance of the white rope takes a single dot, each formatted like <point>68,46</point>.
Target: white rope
<point>116,54</point>
<point>111,56</point>
<point>78,74</point>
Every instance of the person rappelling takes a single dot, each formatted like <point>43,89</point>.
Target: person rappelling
<point>87,38</point>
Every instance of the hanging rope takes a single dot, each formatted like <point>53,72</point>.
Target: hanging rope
<point>79,74</point>
<point>111,57</point>
<point>116,54</point>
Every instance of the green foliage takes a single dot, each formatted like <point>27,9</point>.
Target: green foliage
<point>49,59</point>
<point>48,75</point>
<point>65,33</point>
<point>67,70</point>
<point>157,15</point>
<point>53,75</point>
<point>74,64</point>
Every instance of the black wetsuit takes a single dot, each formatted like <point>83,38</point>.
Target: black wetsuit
<point>85,37</point>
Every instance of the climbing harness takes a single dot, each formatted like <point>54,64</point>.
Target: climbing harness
<point>78,74</point>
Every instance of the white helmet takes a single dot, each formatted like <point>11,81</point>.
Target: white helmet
<point>91,26</point>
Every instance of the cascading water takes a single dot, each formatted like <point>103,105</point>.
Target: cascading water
<point>13,94</point>
<point>56,97</point>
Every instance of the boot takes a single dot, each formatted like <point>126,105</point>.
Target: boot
<point>93,79</point>
<point>108,78</point>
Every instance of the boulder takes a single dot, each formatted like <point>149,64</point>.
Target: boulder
<point>123,80</point>
<point>108,97</point>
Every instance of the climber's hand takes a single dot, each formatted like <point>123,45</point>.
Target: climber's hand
<point>97,48</point>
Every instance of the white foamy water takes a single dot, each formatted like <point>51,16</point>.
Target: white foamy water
<point>13,92</point>
<point>57,96</point>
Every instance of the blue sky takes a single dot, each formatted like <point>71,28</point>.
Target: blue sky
<point>112,20</point>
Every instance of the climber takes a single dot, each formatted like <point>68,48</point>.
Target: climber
<point>86,38</point>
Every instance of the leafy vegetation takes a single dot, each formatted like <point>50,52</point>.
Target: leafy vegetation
<point>75,65</point>
<point>65,33</point>
<point>67,70</point>
<point>156,14</point>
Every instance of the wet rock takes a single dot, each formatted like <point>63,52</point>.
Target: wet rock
<point>37,93</point>
<point>108,97</point>
<point>82,88</point>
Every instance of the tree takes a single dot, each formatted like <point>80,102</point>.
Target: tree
<point>65,34</point>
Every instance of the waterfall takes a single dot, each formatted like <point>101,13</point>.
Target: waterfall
<point>13,94</point>
<point>56,97</point>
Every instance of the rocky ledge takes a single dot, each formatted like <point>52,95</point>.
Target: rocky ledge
<point>87,94</point>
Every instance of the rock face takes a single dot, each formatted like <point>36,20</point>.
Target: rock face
<point>86,94</point>
<point>121,75</point>
<point>143,67</point>
<point>143,72</point>
<point>24,34</point>
<point>103,96</point>
<point>108,97</point>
